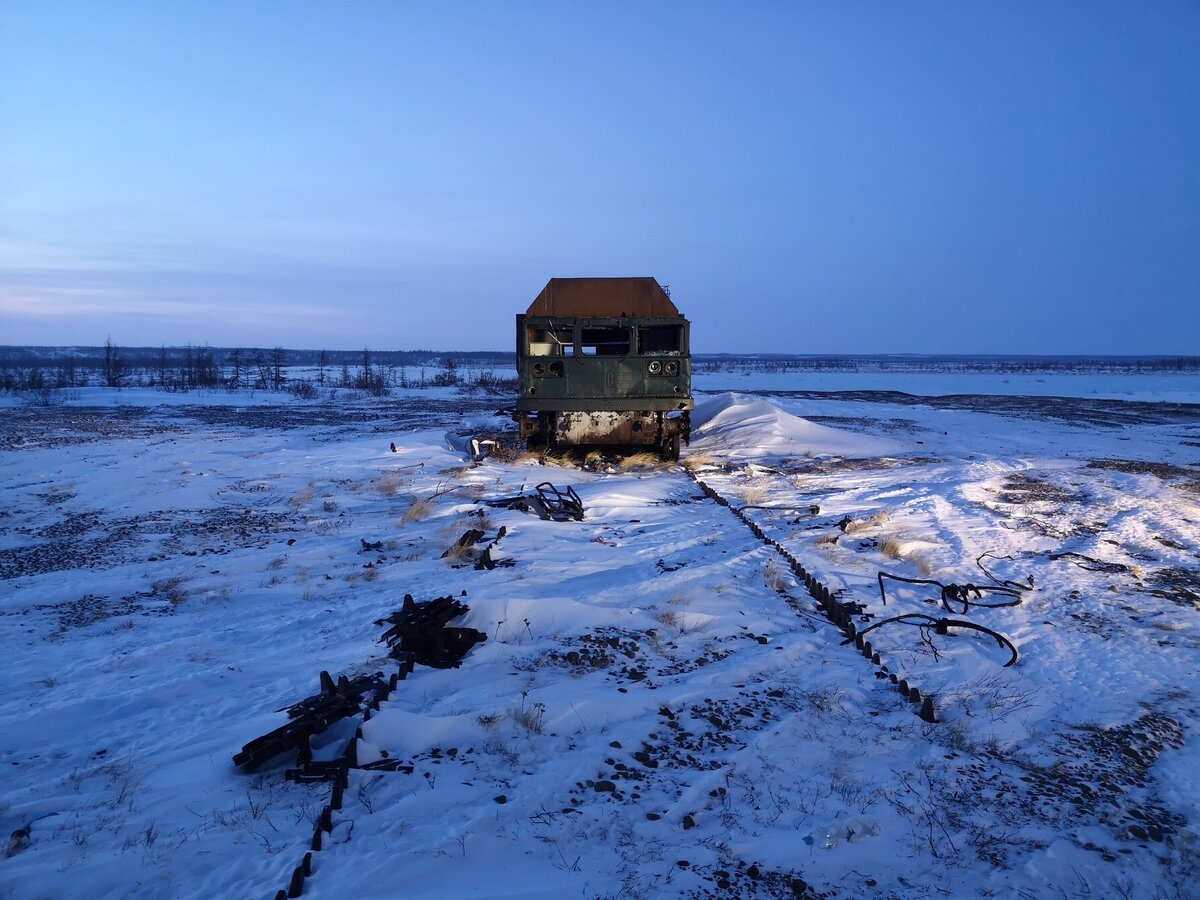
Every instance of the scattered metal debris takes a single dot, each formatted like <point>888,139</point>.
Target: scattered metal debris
<point>939,626</point>
<point>465,550</point>
<point>965,595</point>
<point>1089,563</point>
<point>1027,585</point>
<point>478,446</point>
<point>488,559</point>
<point>810,508</point>
<point>548,502</point>
<point>370,546</point>
<point>17,842</point>
<point>310,717</point>
<point>482,448</point>
<point>469,539</point>
<point>421,629</point>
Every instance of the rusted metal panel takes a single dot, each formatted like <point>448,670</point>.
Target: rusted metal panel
<point>625,428</point>
<point>602,297</point>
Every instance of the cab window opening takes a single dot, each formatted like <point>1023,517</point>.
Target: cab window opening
<point>611,341</point>
<point>660,339</point>
<point>542,341</point>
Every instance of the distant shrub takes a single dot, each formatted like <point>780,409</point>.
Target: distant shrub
<point>42,397</point>
<point>303,390</point>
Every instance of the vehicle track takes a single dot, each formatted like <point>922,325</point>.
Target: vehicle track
<point>841,613</point>
<point>692,751</point>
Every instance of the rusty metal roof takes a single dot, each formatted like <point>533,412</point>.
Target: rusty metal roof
<point>602,297</point>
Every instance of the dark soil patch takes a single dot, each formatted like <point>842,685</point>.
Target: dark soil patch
<point>91,608</point>
<point>1021,489</point>
<point>353,416</point>
<point>29,428</point>
<point>25,428</point>
<point>90,540</point>
<point>906,426</point>
<point>1077,410</point>
<point>1097,774</point>
<point>1165,471</point>
<point>832,466</point>
<point>71,550</point>
<point>1180,586</point>
<point>733,877</point>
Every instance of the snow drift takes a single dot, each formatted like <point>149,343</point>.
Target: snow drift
<point>738,426</point>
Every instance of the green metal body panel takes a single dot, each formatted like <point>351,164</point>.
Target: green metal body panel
<point>559,375</point>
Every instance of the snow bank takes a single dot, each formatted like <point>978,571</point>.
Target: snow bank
<point>738,426</point>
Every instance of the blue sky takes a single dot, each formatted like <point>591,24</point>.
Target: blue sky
<point>807,177</point>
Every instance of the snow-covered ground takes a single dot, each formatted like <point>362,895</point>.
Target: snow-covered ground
<point>1172,387</point>
<point>659,709</point>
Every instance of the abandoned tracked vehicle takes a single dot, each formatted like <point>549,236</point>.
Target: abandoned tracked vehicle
<point>604,361</point>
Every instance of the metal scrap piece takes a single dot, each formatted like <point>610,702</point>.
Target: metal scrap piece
<point>310,717</point>
<point>421,629</point>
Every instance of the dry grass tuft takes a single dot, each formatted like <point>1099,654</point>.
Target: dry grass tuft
<point>419,511</point>
<point>505,451</point>
<point>753,495</point>
<point>695,461</point>
<point>669,618</point>
<point>776,576</point>
<point>860,526</point>
<point>548,459</point>
<point>458,553</point>
<point>893,548</point>
<point>302,498</point>
<point>170,589</point>
<point>389,485</point>
<point>643,462</point>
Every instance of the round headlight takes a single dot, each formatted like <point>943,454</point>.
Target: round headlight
<point>655,367</point>
<point>672,368</point>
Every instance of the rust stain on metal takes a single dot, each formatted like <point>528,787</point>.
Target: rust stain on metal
<point>606,428</point>
<point>602,297</point>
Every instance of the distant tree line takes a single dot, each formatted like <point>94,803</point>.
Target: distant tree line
<point>301,372</point>
<point>307,372</point>
<point>777,363</point>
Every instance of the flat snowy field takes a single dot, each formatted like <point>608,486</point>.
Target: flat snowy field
<point>659,708</point>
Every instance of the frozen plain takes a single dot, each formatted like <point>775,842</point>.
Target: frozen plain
<point>170,575</point>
